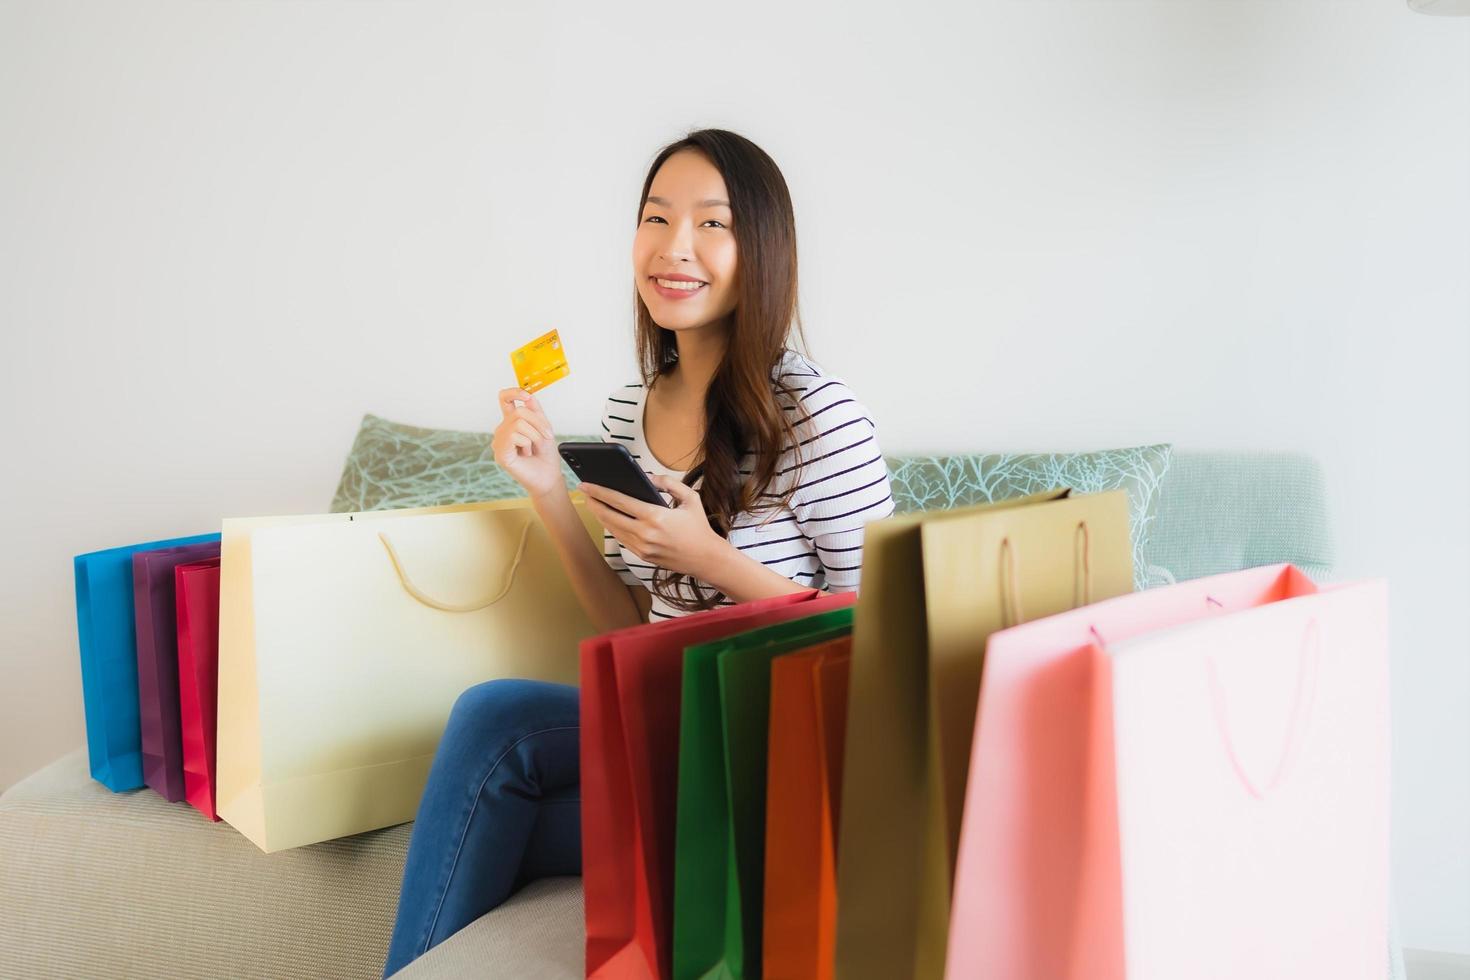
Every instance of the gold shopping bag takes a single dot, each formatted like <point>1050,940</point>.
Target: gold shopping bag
<point>935,585</point>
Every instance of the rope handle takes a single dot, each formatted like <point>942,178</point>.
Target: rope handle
<point>1010,580</point>
<point>1308,664</point>
<point>433,603</point>
<point>1085,563</point>
<point>1010,586</point>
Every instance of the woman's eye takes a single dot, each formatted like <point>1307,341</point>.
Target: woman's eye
<point>654,217</point>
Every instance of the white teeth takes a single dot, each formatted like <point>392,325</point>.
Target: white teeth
<point>671,284</point>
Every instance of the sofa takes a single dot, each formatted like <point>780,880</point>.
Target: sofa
<point>97,884</point>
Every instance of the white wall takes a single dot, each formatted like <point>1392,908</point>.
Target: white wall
<point>227,229</point>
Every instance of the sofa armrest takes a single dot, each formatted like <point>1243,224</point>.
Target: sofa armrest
<point>537,934</point>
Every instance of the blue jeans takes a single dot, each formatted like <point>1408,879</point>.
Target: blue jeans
<point>502,807</point>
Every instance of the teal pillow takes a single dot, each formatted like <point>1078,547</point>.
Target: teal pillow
<point>1224,511</point>
<point>941,482</point>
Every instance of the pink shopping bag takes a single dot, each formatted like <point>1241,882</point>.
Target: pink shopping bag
<point>196,587</point>
<point>1188,781</point>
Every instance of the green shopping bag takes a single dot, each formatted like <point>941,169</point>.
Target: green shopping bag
<point>719,838</point>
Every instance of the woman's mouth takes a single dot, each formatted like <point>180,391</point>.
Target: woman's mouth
<point>670,289</point>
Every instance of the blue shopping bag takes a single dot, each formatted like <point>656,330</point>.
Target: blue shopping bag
<point>107,636</point>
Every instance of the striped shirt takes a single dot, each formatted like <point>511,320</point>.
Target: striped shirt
<point>818,540</point>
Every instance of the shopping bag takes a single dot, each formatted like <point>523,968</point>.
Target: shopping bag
<point>156,612</point>
<point>345,640</point>
<point>803,791</point>
<point>196,585</point>
<point>719,860</point>
<point>107,640</point>
<point>1190,781</point>
<point>936,584</point>
<point>630,718</point>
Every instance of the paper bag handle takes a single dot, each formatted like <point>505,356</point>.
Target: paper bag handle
<point>1301,707</point>
<point>1010,582</point>
<point>1085,563</point>
<point>1010,601</point>
<point>433,603</point>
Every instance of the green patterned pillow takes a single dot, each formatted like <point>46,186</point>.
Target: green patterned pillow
<point>392,466</point>
<point>941,482</point>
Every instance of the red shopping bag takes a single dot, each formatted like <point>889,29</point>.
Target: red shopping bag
<point>631,680</point>
<point>196,584</point>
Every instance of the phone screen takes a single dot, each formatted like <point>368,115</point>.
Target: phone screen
<point>612,466</point>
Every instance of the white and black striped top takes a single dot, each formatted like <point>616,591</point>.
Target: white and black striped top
<point>818,541</point>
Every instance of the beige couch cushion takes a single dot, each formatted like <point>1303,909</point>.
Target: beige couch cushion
<point>97,884</point>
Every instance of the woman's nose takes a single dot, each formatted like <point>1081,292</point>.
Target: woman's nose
<point>680,241</point>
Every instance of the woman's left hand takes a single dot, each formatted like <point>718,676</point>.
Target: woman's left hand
<point>678,538</point>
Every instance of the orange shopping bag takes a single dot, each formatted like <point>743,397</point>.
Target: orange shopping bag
<point>804,790</point>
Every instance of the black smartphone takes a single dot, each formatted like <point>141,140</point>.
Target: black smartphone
<point>610,465</point>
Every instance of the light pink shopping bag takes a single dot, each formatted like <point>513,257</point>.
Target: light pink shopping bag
<point>1188,781</point>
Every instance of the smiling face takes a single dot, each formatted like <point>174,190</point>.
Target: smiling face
<point>686,233</point>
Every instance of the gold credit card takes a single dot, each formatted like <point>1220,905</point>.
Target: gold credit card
<point>540,362</point>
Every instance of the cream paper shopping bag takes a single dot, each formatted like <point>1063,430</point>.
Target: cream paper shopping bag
<point>345,640</point>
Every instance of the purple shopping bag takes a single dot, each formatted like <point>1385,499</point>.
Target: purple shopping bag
<point>158,663</point>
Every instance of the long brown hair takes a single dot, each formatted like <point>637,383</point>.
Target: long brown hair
<point>742,413</point>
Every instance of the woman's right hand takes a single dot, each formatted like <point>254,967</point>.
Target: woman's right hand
<point>525,444</point>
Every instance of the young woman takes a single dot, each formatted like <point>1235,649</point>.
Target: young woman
<point>771,467</point>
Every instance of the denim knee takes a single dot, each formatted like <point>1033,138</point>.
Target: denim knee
<point>511,706</point>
